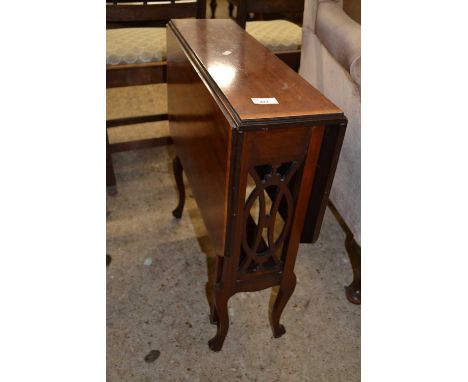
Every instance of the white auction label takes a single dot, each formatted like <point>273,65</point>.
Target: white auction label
<point>265,101</point>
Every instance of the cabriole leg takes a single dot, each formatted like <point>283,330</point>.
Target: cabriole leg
<point>353,290</point>
<point>178,170</point>
<point>222,323</point>
<point>284,294</point>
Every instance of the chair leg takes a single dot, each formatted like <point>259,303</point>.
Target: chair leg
<point>231,9</point>
<point>222,320</point>
<point>110,174</point>
<point>213,6</point>
<point>284,294</point>
<point>178,170</point>
<point>353,290</point>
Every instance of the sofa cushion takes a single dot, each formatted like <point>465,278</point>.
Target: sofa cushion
<point>135,45</point>
<point>338,33</point>
<point>276,35</point>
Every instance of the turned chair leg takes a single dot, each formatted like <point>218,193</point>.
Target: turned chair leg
<point>221,316</point>
<point>110,174</point>
<point>353,290</point>
<point>213,5</point>
<point>284,294</point>
<point>178,170</point>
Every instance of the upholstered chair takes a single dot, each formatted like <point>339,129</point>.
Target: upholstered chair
<point>135,45</point>
<point>136,55</point>
<point>280,36</point>
<point>331,61</point>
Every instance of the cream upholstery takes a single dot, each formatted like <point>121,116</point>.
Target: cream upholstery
<point>331,61</point>
<point>135,45</point>
<point>276,35</point>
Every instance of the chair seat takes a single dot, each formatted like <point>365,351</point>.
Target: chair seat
<point>135,45</point>
<point>139,45</point>
<point>276,35</point>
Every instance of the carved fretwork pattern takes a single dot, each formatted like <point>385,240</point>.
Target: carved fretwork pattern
<point>273,182</point>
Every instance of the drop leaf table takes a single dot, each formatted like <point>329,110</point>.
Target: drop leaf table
<point>259,146</point>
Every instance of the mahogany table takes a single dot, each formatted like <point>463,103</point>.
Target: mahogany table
<point>238,116</point>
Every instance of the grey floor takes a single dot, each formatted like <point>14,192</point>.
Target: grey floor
<point>156,284</point>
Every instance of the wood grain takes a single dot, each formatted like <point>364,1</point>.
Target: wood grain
<point>242,69</point>
<point>202,137</point>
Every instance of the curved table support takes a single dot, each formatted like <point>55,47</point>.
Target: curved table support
<point>353,290</point>
<point>178,175</point>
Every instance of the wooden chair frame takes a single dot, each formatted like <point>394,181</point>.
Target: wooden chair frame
<point>141,14</point>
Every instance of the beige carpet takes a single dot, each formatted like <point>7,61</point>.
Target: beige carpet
<point>156,280</point>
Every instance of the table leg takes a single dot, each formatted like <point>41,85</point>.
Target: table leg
<point>353,290</point>
<point>215,269</point>
<point>221,313</point>
<point>254,262</point>
<point>178,171</point>
<point>284,294</point>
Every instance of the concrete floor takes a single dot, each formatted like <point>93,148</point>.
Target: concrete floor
<point>156,284</point>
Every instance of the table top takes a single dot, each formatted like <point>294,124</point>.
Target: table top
<point>239,68</point>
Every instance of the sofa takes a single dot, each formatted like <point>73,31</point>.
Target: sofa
<point>331,62</point>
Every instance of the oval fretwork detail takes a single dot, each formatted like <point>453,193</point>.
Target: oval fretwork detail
<point>271,195</point>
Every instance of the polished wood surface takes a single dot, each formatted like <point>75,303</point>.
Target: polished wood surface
<point>288,151</point>
<point>199,130</point>
<point>242,69</point>
<point>328,160</point>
